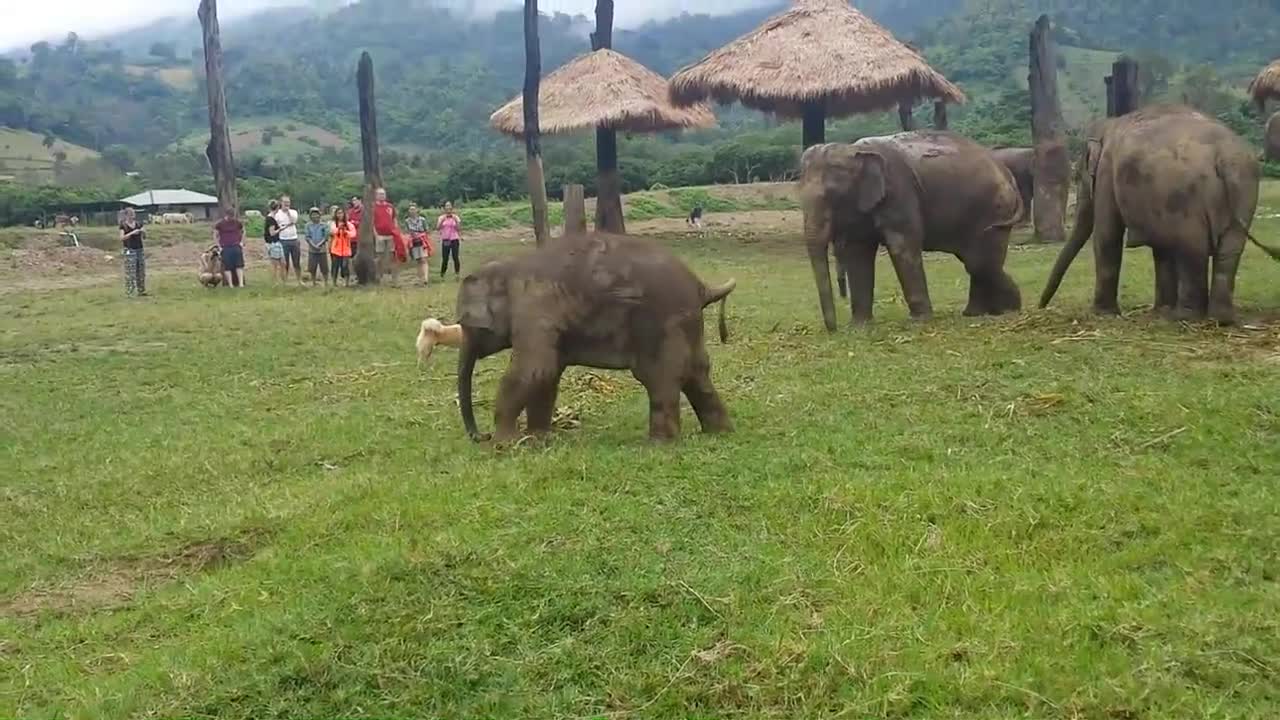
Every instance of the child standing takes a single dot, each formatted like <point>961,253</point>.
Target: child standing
<point>342,236</point>
<point>317,234</point>
<point>450,227</point>
<point>419,242</point>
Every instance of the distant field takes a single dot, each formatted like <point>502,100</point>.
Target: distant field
<point>1080,84</point>
<point>181,78</point>
<point>293,139</point>
<point>23,153</point>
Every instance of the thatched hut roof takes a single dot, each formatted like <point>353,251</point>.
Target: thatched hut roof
<point>818,51</point>
<point>1266,86</point>
<point>603,89</point>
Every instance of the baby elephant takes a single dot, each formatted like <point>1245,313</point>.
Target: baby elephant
<point>600,301</point>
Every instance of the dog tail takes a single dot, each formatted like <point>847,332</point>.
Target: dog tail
<point>719,294</point>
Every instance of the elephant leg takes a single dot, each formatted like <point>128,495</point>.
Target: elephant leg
<point>542,404</point>
<point>861,263</point>
<point>907,255</point>
<point>662,374</point>
<point>1108,253</point>
<point>991,290</point>
<point>1193,288</point>
<point>1226,263</point>
<point>1166,264</point>
<point>707,405</point>
<point>533,366</point>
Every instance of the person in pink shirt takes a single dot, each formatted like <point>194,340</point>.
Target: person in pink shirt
<point>449,225</point>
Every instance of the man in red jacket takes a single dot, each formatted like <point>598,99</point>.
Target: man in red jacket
<point>355,213</point>
<point>390,244</point>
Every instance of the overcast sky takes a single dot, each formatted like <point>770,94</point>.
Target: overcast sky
<point>26,21</point>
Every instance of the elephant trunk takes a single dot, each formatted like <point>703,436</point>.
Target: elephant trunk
<point>818,241</point>
<point>467,358</point>
<point>1079,236</point>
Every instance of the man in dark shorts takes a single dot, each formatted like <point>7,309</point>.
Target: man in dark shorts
<point>229,232</point>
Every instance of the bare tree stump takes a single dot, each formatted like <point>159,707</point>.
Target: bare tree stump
<point>532,133</point>
<point>1052,167</point>
<point>219,148</point>
<point>575,210</point>
<point>905,117</point>
<point>609,217</point>
<point>1123,96</point>
<point>940,115</point>
<point>366,261</point>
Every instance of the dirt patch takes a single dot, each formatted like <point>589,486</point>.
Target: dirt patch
<point>116,585</point>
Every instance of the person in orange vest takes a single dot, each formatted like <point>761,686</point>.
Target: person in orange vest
<point>389,242</point>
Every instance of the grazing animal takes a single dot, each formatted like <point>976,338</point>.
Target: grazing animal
<point>433,333</point>
<point>1179,182</point>
<point>255,214</point>
<point>910,192</point>
<point>603,301</point>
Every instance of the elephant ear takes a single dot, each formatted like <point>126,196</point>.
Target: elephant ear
<point>483,304</point>
<point>871,185</point>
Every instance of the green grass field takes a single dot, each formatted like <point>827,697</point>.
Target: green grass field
<point>293,139</point>
<point>255,505</point>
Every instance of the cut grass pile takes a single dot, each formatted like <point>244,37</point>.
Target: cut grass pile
<point>254,505</point>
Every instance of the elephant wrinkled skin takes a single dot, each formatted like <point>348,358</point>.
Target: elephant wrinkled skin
<point>1176,181</point>
<point>601,301</point>
<point>910,192</point>
<point>1021,164</point>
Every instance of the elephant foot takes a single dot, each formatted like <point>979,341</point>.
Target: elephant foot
<point>717,426</point>
<point>922,317</point>
<point>1187,314</point>
<point>1223,314</point>
<point>976,311</point>
<point>860,320</point>
<point>1107,308</point>
<point>481,437</point>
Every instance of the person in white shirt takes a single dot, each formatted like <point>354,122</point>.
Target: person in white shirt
<point>287,218</point>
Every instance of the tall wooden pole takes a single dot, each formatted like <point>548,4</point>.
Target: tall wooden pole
<point>219,148</point>
<point>609,217</point>
<point>1051,167</point>
<point>366,261</point>
<point>905,118</point>
<point>815,124</point>
<point>1122,88</point>
<point>532,134</point>
<point>940,121</point>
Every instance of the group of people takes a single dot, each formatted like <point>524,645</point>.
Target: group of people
<point>331,243</point>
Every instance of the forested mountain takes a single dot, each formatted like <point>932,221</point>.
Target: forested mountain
<point>138,98</point>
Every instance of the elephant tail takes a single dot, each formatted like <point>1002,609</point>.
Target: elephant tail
<point>1233,194</point>
<point>719,294</point>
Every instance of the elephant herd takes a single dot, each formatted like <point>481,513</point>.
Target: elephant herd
<point>1173,179</point>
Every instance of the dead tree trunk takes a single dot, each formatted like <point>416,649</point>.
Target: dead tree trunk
<point>575,210</point>
<point>905,118</point>
<point>532,134</point>
<point>1051,167</point>
<point>219,148</point>
<point>1122,88</point>
<point>940,115</point>
<point>609,217</point>
<point>366,261</point>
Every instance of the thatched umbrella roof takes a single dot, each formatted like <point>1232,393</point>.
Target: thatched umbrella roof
<point>820,52</point>
<point>603,89</point>
<point>1266,86</point>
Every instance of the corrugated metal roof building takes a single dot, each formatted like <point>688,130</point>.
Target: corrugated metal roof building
<point>181,201</point>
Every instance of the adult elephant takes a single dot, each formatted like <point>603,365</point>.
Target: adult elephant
<point>911,192</point>
<point>1182,184</point>
<point>1021,164</point>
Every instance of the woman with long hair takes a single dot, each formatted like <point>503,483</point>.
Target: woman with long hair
<point>342,237</point>
<point>135,263</point>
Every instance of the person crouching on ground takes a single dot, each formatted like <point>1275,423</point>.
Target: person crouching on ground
<point>450,227</point>
<point>229,234</point>
<point>342,243</point>
<point>388,241</point>
<point>317,234</point>
<point>419,243</point>
<point>271,235</point>
<point>135,263</point>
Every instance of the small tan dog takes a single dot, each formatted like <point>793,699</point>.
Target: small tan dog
<point>435,333</point>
